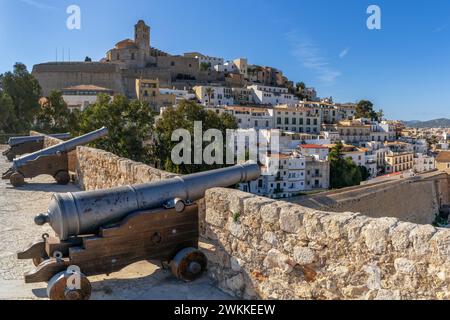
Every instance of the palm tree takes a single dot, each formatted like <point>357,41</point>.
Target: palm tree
<point>209,93</point>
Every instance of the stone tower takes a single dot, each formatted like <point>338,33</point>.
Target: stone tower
<point>142,36</point>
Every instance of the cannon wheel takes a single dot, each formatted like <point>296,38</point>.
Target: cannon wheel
<point>57,288</point>
<point>17,179</point>
<point>188,264</point>
<point>62,177</point>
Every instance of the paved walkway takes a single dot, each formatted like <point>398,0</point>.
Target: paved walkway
<point>143,280</point>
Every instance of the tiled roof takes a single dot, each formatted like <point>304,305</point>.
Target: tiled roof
<point>443,156</point>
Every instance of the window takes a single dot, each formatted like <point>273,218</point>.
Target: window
<point>172,63</point>
<point>132,56</point>
<point>294,121</point>
<point>286,120</point>
<point>278,120</point>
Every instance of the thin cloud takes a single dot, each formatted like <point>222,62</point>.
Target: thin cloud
<point>310,56</point>
<point>344,53</point>
<point>37,4</point>
<point>441,28</point>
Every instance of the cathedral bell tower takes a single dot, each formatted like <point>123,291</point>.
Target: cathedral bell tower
<point>142,36</point>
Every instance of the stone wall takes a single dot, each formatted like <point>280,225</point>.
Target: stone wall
<point>266,249</point>
<point>98,169</point>
<point>415,200</point>
<point>260,248</point>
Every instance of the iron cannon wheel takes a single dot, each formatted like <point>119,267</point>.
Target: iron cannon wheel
<point>57,288</point>
<point>62,177</point>
<point>188,264</point>
<point>17,179</point>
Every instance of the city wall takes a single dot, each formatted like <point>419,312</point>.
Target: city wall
<point>415,200</point>
<point>266,249</point>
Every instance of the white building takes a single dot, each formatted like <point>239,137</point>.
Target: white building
<point>179,94</point>
<point>214,95</point>
<point>82,96</point>
<point>319,151</point>
<point>283,176</point>
<point>295,119</point>
<point>251,117</point>
<point>423,163</point>
<point>203,59</point>
<point>267,95</point>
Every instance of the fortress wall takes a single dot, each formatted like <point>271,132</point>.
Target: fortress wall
<point>266,249</point>
<point>98,169</point>
<point>411,200</point>
<point>60,75</point>
<point>259,248</point>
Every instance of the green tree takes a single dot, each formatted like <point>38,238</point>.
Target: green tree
<point>129,123</point>
<point>8,119</point>
<point>183,117</point>
<point>55,116</point>
<point>24,91</point>
<point>364,109</point>
<point>343,171</point>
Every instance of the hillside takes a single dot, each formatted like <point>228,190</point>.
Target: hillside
<point>436,123</point>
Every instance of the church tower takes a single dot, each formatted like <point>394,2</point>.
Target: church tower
<point>142,36</point>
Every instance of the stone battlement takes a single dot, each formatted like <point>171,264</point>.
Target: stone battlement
<point>262,248</point>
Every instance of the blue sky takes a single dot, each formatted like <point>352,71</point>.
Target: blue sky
<point>404,68</point>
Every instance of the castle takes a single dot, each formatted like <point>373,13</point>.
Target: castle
<point>127,61</point>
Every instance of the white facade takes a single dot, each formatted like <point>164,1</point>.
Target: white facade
<point>293,119</point>
<point>424,163</point>
<point>249,117</point>
<point>214,95</point>
<point>179,94</point>
<point>283,176</point>
<point>272,95</point>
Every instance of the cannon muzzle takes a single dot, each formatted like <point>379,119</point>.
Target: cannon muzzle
<point>83,213</point>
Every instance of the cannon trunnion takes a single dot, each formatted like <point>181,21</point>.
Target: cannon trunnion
<point>161,235</point>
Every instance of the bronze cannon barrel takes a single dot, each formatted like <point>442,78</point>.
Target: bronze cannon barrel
<point>82,213</point>
<point>65,146</point>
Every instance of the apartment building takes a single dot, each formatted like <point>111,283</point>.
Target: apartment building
<point>283,176</point>
<point>242,96</point>
<point>251,117</point>
<point>352,131</point>
<point>423,163</point>
<point>317,174</point>
<point>311,150</point>
<point>214,95</point>
<point>295,119</point>
<point>148,90</point>
<point>399,161</point>
<point>267,95</point>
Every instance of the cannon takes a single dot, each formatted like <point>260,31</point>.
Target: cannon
<point>103,231</point>
<point>22,145</point>
<point>53,160</point>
